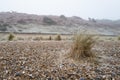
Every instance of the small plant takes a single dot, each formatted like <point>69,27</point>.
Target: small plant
<point>81,47</point>
<point>58,38</point>
<point>11,37</point>
<point>38,38</point>
<point>119,38</point>
<point>3,39</point>
<point>20,38</point>
<point>29,38</point>
<point>50,38</point>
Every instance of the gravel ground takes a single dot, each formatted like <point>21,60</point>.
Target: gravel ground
<point>46,60</point>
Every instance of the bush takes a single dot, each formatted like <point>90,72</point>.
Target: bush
<point>63,17</point>
<point>11,37</point>
<point>58,38</point>
<point>48,21</point>
<point>81,47</point>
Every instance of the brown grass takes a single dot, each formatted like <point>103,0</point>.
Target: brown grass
<point>20,38</point>
<point>58,38</point>
<point>81,48</point>
<point>119,38</point>
<point>38,38</point>
<point>11,37</point>
<point>50,38</point>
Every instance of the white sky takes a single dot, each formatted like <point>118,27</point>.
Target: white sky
<point>100,9</point>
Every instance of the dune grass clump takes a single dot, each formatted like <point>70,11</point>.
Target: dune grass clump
<point>81,48</point>
<point>20,38</point>
<point>50,38</point>
<point>11,37</point>
<point>58,38</point>
<point>119,38</point>
<point>38,38</point>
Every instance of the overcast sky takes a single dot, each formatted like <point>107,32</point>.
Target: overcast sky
<point>98,9</point>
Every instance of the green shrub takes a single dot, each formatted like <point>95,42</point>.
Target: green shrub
<point>81,47</point>
<point>11,37</point>
<point>48,21</point>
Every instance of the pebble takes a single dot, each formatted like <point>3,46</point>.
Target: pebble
<point>26,59</point>
<point>18,74</point>
<point>50,79</point>
<point>30,76</point>
<point>82,78</point>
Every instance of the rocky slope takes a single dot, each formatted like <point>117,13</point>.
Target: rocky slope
<point>22,22</point>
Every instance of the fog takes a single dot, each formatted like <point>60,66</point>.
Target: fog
<point>98,9</point>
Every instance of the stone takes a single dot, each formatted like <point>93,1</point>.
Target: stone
<point>18,74</point>
<point>82,78</point>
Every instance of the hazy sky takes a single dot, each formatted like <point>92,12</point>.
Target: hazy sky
<point>100,9</point>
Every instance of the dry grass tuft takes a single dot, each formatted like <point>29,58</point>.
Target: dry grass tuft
<point>38,38</point>
<point>58,38</point>
<point>20,38</point>
<point>50,38</point>
<point>119,38</point>
<point>81,48</point>
<point>11,37</point>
